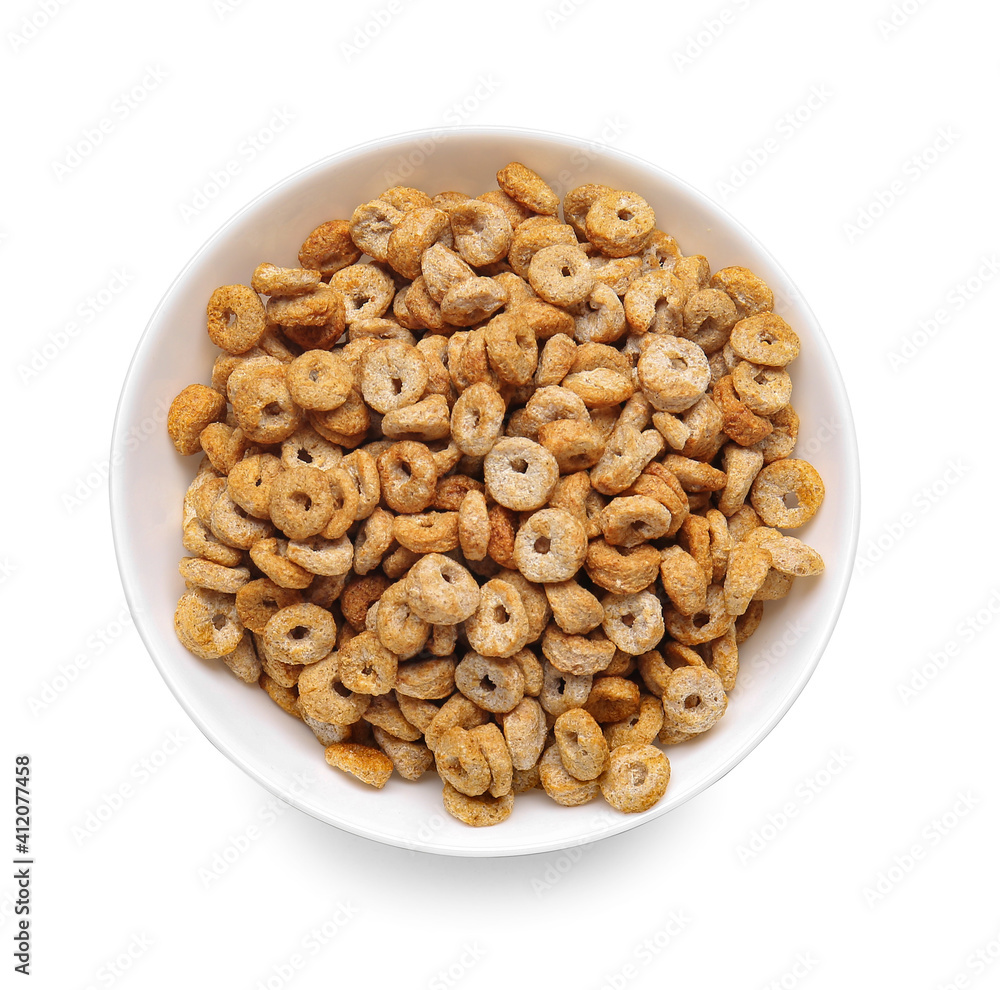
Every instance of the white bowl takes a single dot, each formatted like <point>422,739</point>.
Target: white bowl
<point>148,480</point>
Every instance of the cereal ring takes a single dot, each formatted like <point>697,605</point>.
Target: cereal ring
<point>654,303</point>
<point>243,661</point>
<point>742,465</point>
<point>525,730</point>
<point>672,372</point>
<point>561,274</point>
<point>301,633</point>
<point>709,623</point>
<point>748,567</point>
<point>577,203</point>
<point>617,273</point>
<point>420,307</point>
<point>329,248</point>
<point>626,453</point>
<point>415,233</point>
<point>207,623</point>
<point>528,188</point>
<point>575,446</point>
<point>366,666</point>
<point>392,376</point>
<point>398,627</point>
<point>789,555</point>
<point>259,600</point>
<point>301,502</point>
<point>634,623</point>
<point>385,713</point>
<point>494,749</point>
<point>765,339</point>
<point>406,198</point>
<point>285,698</point>
<point>636,778</point>
<point>441,590</point>
<point>477,419</point>
<point>207,574</point>
<point>629,520</point>
<point>472,301</point>
<point>641,727</point>
<point>785,433</point>
<point>749,293</point>
<point>739,422</point>
<point>724,658</point>
<point>320,699</point>
<point>709,316</point>
<point>411,760</point>
<point>575,610</point>
<point>520,474</point>
<point>230,524</point>
<point>581,744</point>
<point>560,784</point>
<point>236,318</point>
<point>369,765</point>
<point>322,307</point>
<point>561,691</point>
<point>622,570</point>
<point>358,597</point>
<point>270,555</point>
<point>620,223</point>
<point>362,469</point>
<point>224,445</point>
<point>693,271</point>
<point>536,605</point>
<point>495,684</point>
<point>661,251</point>
<point>319,380</point>
<point>599,317</point>
<point>320,555</point>
<point>684,580</point>
<point>477,811</point>
<point>367,291</point>
<point>408,476</point>
<point>373,539</point>
<point>441,268</point>
<point>764,390</point>
<point>787,493</point>
<point>461,763</point>
<point>581,656</point>
<point>473,526</point>
<point>545,319</point>
<point>482,232</point>
<point>531,237</point>
<point>600,387</point>
<point>191,411</point>
<point>515,212</point>
<point>512,348</point>
<point>263,406</point>
<point>427,532</point>
<point>693,700</point>
<point>550,546</point>
<point>613,697</point>
<point>371,226</point>
<point>499,626</point>
<point>468,362</point>
<point>426,420</point>
<point>456,711</point>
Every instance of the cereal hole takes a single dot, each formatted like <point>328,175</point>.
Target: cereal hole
<point>486,684</point>
<point>543,544</point>
<point>272,409</point>
<point>625,214</point>
<point>519,464</point>
<point>298,632</point>
<point>303,455</point>
<point>637,774</point>
<point>692,701</point>
<point>302,500</point>
<point>628,620</point>
<point>701,619</point>
<point>791,500</point>
<point>500,615</point>
<point>219,620</point>
<point>341,690</point>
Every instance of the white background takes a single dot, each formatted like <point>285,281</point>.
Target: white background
<point>857,844</point>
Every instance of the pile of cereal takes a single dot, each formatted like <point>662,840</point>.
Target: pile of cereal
<point>493,493</point>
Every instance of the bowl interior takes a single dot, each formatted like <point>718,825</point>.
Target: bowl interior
<point>150,478</point>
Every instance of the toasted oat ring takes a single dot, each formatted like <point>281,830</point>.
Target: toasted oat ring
<point>300,633</point>
<point>441,268</point>
<point>320,555</point>
<point>367,291</point>
<point>512,348</point>
<point>427,532</point>
<point>654,303</point>
<point>191,411</point>
<point>561,274</point>
<point>600,317</point>
<point>415,233</point>
<point>581,743</point>
<point>258,600</point>
<point>531,237</point>
<point>207,574</point>
<point>236,319</point>
<point>520,474</point>
<point>620,223</point>
<point>550,546</point>
<point>741,464</point>
<point>575,610</point>
<point>785,433</point>
<point>562,691</point>
<point>477,811</point>
<point>494,749</point>
<point>693,700</point>
<point>765,339</point>
<point>684,580</point>
<point>527,187</point>
<point>363,472</point>
<point>629,520</point>
<point>739,422</point>
<point>613,697</point>
<point>473,526</point>
<point>319,379</point>
<point>346,425</point>
<point>366,666</point>
<point>622,570</point>
<point>673,373</point>
<point>371,226</point>
<point>234,527</point>
<point>408,476</point>
<point>787,493</point>
<point>319,697</point>
<point>264,407</point>
<point>322,307</point>
<point>709,316</point>
<point>636,778</point>
<point>477,419</point>
<point>457,710</point>
<point>577,655</point>
<point>525,729</point>
<point>472,301</point>
<point>482,232</point>
<point>634,623</point>
<point>399,628</point>
<point>392,376</point>
<point>764,390</point>
<point>495,684</point>
<point>208,623</point>
<point>746,572</point>
<point>577,202</point>
<point>499,626</point>
<point>270,555</point>
<point>345,503</point>
<point>329,248</point>
<point>750,294</point>
<point>560,785</point>
<point>707,624</point>
<point>642,726</point>
<point>441,590</point>
<point>373,539</point>
<point>461,763</point>
<point>301,502</point>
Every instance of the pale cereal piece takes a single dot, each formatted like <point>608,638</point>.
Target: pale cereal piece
<point>499,626</point>
<point>347,425</point>
<point>551,404</point>
<point>560,784</point>
<point>599,317</point>
<point>426,679</point>
<point>207,623</point>
<point>746,624</point>
<point>396,564</point>
<point>319,380</point>
<point>319,555</point>
<point>512,348</point>
<point>399,628</point>
<point>581,656</point>
<point>617,273</point>
<point>675,431</point>
<point>440,590</point>
<point>324,591</point>
<point>207,574</point>
<point>473,526</point>
<point>275,344</point>
<point>468,362</point>
<point>600,386</point>
<point>367,291</point>
<point>639,727</point>
<point>693,270</point>
<point>224,445</point>
<point>281,672</point>
<point>243,661</point>
<point>236,318</point>
<point>392,376</point>
<point>363,472</point>
<point>576,611</point>
<point>764,390</point>
<point>477,420</point>
<point>550,546</point>
<point>626,453</point>
<point>581,744</point>
<point>346,500</point>
<point>495,684</point>
<point>371,226</point>
<point>416,231</point>
<point>410,759</point>
<point>434,348</point>
<point>482,232</point>
<point>301,502</point>
<point>270,555</point>
<point>406,198</point>
<point>263,405</point>
<point>191,411</point>
<point>472,301</point>
<point>366,666</point>
<point>776,585</point>
<point>748,567</point>
<point>620,223</point>
<point>477,811</point>
<point>369,765</point>
<point>695,476</point>
<point>693,700</point>
<point>460,761</point>
<point>494,749</point>
<point>520,474</point>
<point>789,555</point>
<point>654,303</point>
<point>613,697</point>
<point>525,731</point>
<point>781,441</point>
<point>577,203</point>
<point>442,268</point>
<point>561,274</point>
<point>536,605</point>
<point>359,595</point>
<point>378,330</point>
<point>765,339</point>
<point>661,251</point>
<point>456,711</point>
<point>742,523</point>
<point>749,293</point>
<point>630,520</point>
<point>532,236</point>
<point>515,212</point>
<point>531,670</point>
<point>705,422</point>
<point>593,355</point>
<point>260,599</point>
<point>741,465</point>
<point>545,319</point>
<point>285,698</point>
<point>724,658</point>
<point>709,317</point>
<point>622,665</point>
<point>323,696</point>
<point>739,422</point>
<point>528,188</point>
<point>622,570</point>
<point>673,373</point>
<point>301,633</point>
<point>329,248</point>
<point>634,623</point>
<point>408,476</point>
<point>787,493</point>
<point>655,669</point>
<point>327,732</point>
<point>234,527</point>
<point>562,691</point>
<point>636,778</point>
<point>709,623</point>
<point>384,712</point>
<point>427,532</point>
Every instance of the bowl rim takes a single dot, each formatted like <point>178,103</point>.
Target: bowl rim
<point>849,485</point>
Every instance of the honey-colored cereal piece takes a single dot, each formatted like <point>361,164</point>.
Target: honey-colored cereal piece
<point>499,626</point>
<point>620,223</point>
<point>301,502</point>
<point>301,633</point>
<point>193,409</point>
<point>207,574</point>
<point>478,811</point>
<point>636,778</point>
<point>366,763</point>
<point>641,725</point>
<point>329,248</point>
<point>371,226</point>
<point>236,318</point>
<point>482,232</point>
<point>749,293</point>
<point>527,187</point>
<point>207,623</point>
<point>441,590</point>
<point>550,546</point>
<point>581,744</point>
<point>416,231</point>
<point>520,474</point>
<point>560,785</point>
<point>765,339</point>
<point>575,610</point>
<point>323,696</point>
<point>787,493</point>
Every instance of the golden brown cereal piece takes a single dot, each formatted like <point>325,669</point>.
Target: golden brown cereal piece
<point>494,749</point>
<point>622,570</point>
<point>654,303</point>
<point>693,271</point>
<point>457,710</point>
<point>482,232</point>
<point>207,574</point>
<point>531,237</point>
<point>329,248</point>
<point>191,411</point>
<point>426,679</point>
<point>693,700</point>
<point>626,453</point>
<point>270,555</point>
<point>300,633</point>
<point>550,546</point>
<point>369,765</point>
<point>224,444</point>
<point>495,684</point>
<point>460,761</point>
<point>234,527</point>
<point>406,198</point>
<point>684,581</point>
<point>599,317</point>
<point>477,811</point>
<point>319,380</point>
<point>426,420</point>
<point>661,251</point>
<point>719,543</point>
<point>366,666</point>
<point>385,713</point>
<point>748,567</point>
<point>502,534</point>
<point>528,188</point>
<point>301,502</point>
<point>620,223</point>
<point>545,319</point>
<point>640,726</point>
<point>321,307</point>
<point>636,778</point>
<point>468,362</point>
<point>408,476</point>
<point>616,273</point>
<point>243,661</point>
<point>749,293</point>
<point>532,671</point>
<point>561,274</point>
<point>575,610</point>
<point>515,212</point>
<point>345,504</point>
<point>634,623</point>
<point>499,626</point>
<point>600,386</point>
<point>236,318</point>
<point>776,585</point>
<point>629,520</point>
<point>525,729</point>
<point>441,268</point>
<point>207,623</point>
<point>367,290</point>
<point>709,316</point>
<point>346,425</point>
<point>520,474</point>
<point>427,532</point>
<point>410,759</point>
<point>441,590</point>
<point>561,691</point>
<point>285,698</point>
<point>359,595</point>
<point>259,600</point>
<point>473,526</point>
<point>710,623</point>
<point>764,390</point>
<point>575,445</point>
<point>789,555</point>
<point>416,231</point>
<point>787,493</point>
<point>724,659</point>
<point>477,419</point>
<point>319,555</point>
<point>765,339</point>
<point>560,784</point>
<point>363,471</point>
<point>399,628</point>
<point>738,421</point>
<point>323,696</point>
<point>577,203</point>
<point>392,376</point>
<point>263,405</point>
<point>472,301</point>
<point>378,329</point>
<point>695,476</point>
<point>420,307</point>
<point>673,373</point>
<point>533,598</point>
<point>512,348</point>
<point>579,655</point>
<point>581,744</point>
<point>741,464</point>
<point>371,226</point>
<point>451,491</point>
